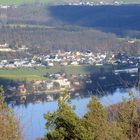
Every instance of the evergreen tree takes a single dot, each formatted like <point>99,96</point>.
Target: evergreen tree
<point>64,124</point>
<point>97,122</point>
<point>96,119</point>
<point>128,118</point>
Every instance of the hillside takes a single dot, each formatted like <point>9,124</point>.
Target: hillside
<point>98,1</point>
<point>122,20</point>
<point>44,29</point>
<point>19,2</point>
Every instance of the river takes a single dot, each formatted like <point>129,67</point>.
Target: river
<point>31,115</point>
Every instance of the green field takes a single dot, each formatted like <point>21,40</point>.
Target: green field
<point>30,74</point>
<point>37,73</point>
<point>19,2</point>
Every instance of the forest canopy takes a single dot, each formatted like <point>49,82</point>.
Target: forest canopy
<point>118,122</point>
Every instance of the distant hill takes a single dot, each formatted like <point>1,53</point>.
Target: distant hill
<point>97,1</point>
<point>19,2</point>
<point>122,20</point>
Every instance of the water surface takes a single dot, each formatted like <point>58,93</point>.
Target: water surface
<point>31,116</point>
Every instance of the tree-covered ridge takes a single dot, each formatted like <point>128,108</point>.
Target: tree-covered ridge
<point>97,124</point>
<point>95,1</point>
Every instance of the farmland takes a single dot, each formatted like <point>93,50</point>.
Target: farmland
<point>19,2</point>
<point>30,74</point>
<point>38,73</point>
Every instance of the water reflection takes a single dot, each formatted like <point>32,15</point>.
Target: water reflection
<point>31,116</point>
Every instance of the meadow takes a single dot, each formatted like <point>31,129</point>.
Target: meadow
<point>19,2</point>
<point>38,73</point>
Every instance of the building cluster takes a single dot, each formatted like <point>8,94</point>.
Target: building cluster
<point>8,6</point>
<point>71,58</point>
<point>17,63</point>
<point>77,58</point>
<point>6,48</point>
<point>58,83</point>
<point>123,59</point>
<point>60,58</point>
<point>94,3</point>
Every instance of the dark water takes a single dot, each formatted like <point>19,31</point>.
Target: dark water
<point>121,20</point>
<point>31,116</point>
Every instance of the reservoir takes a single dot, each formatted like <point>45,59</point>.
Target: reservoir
<point>31,115</point>
<point>123,21</point>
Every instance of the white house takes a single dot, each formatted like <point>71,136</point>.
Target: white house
<point>63,82</point>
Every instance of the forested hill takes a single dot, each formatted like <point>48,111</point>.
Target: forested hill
<point>122,20</point>
<point>95,1</point>
<point>42,28</point>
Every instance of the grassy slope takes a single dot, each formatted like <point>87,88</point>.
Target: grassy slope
<point>18,2</point>
<point>37,74</point>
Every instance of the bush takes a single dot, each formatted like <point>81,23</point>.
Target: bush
<point>9,126</point>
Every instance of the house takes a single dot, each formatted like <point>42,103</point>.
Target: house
<point>63,82</point>
<point>38,82</point>
<point>49,85</point>
<point>65,63</point>
<point>21,89</point>
<point>6,50</point>
<point>76,83</point>
<point>4,6</point>
<point>51,64</point>
<point>39,85</point>
<point>74,63</point>
<point>4,45</point>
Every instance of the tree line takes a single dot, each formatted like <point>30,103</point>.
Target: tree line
<point>67,38</point>
<point>118,122</point>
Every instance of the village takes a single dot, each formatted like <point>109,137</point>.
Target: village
<point>60,81</point>
<point>82,3</point>
<point>95,3</point>
<point>64,58</point>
